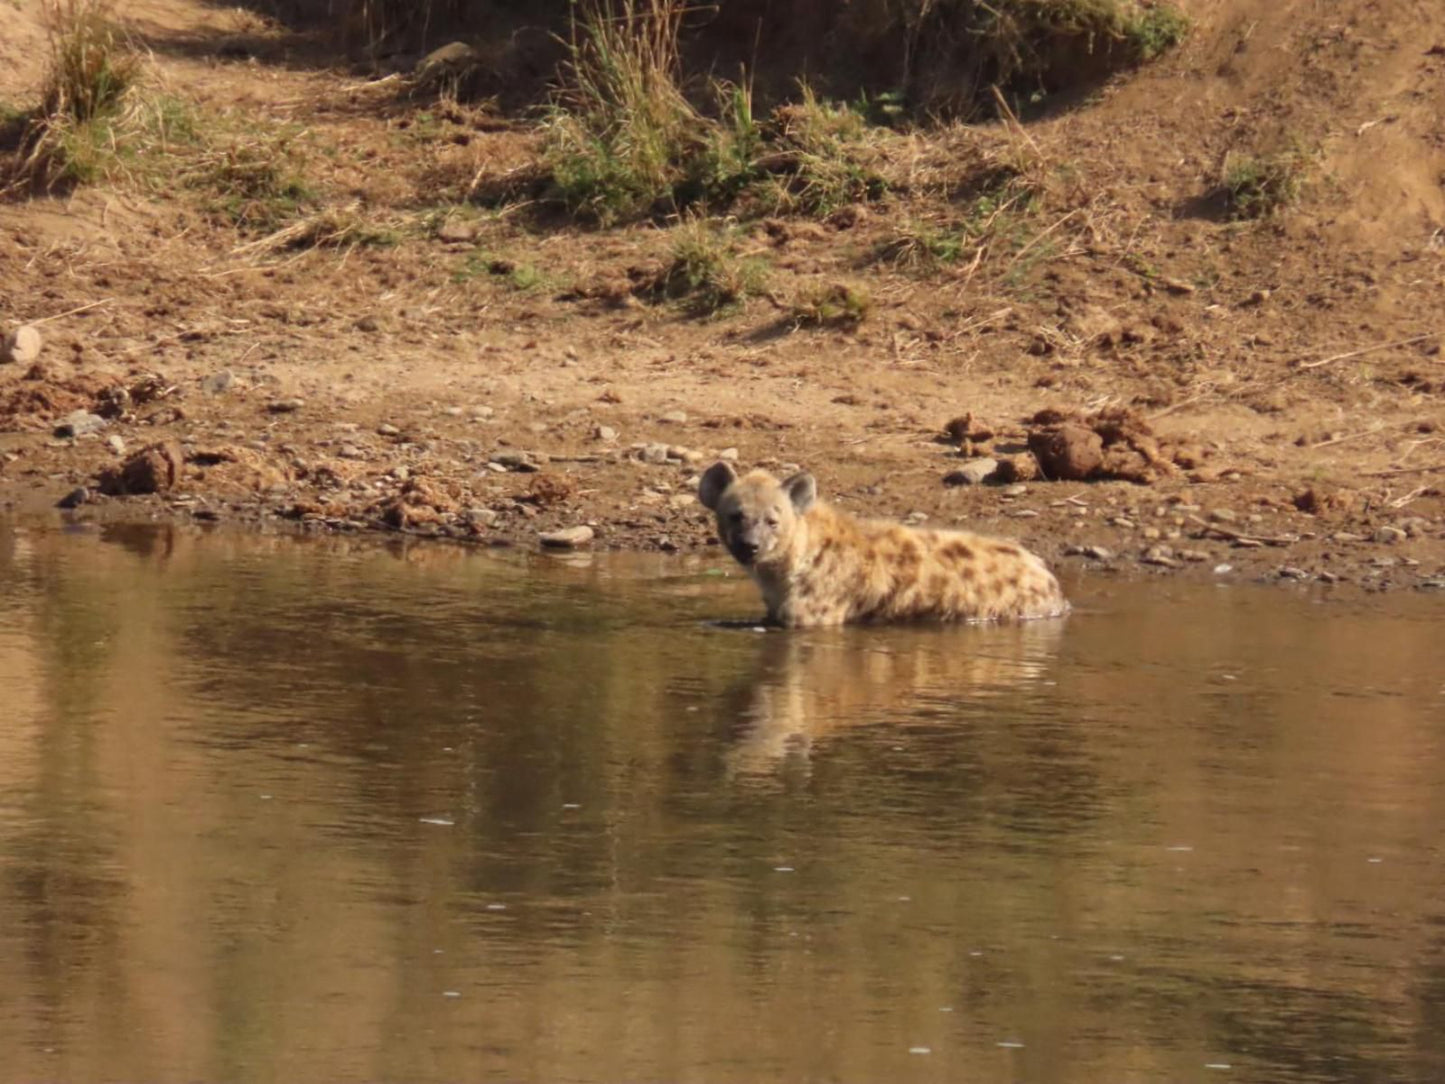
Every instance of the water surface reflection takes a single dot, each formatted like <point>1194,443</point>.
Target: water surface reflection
<point>278,810</point>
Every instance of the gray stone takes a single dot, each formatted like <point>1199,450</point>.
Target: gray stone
<point>676,417</point>
<point>74,499</point>
<point>653,453</point>
<point>1097,553</point>
<point>604,432</point>
<point>21,346</point>
<point>218,383</point>
<point>116,443</point>
<point>568,537</point>
<point>285,406</point>
<point>1290,572</point>
<point>1390,535</point>
<point>351,451</point>
<point>523,462</point>
<point>973,473</point>
<point>79,423</point>
<point>482,517</point>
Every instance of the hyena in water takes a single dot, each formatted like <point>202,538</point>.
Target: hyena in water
<point>819,566</point>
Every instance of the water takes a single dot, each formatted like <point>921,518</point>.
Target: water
<point>279,810</point>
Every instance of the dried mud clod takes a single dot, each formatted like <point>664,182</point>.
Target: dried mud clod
<point>156,468</point>
<point>420,502</point>
<point>1115,443</point>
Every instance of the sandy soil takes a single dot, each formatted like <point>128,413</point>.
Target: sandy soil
<point>1280,382</point>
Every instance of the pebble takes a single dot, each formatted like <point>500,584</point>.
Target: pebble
<point>456,230</point>
<point>482,517</point>
<point>728,455</point>
<point>1152,534</point>
<point>74,499</point>
<point>21,346</point>
<point>1290,572</point>
<point>568,537</point>
<point>79,423</point>
<point>973,473</point>
<point>218,383</point>
<point>368,324</point>
<point>387,430</point>
<point>604,432</point>
<point>1097,553</point>
<point>676,417</point>
<point>1223,515</point>
<point>116,443</point>
<point>1017,490</point>
<point>1193,555</point>
<point>350,451</point>
<point>653,453</point>
<point>1223,570</point>
<point>525,462</point>
<point>285,406</point>
<point>684,455</point>
<point>1122,521</point>
<point>917,517</point>
<point>1390,535</point>
<point>1162,556</point>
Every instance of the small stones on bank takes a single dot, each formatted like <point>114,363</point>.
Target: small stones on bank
<point>604,433</point>
<point>218,383</point>
<point>21,346</point>
<point>285,406</point>
<point>973,473</point>
<point>1161,556</point>
<point>518,461</point>
<point>79,423</point>
<point>567,537</point>
<point>1093,552</point>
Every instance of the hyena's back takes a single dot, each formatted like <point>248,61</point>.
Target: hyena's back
<point>872,570</point>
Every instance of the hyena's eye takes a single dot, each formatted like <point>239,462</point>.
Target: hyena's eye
<point>772,521</point>
<point>735,518</point>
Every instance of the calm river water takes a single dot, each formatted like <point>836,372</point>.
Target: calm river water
<point>285,810</point>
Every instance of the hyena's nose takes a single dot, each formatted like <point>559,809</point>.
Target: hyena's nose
<point>745,551</point>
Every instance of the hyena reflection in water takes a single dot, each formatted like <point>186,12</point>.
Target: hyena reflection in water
<point>809,687</point>
<point>819,566</point>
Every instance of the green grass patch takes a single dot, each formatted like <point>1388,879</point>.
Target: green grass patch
<point>1261,186</point>
<point>501,269</point>
<point>707,275</point>
<point>839,305</point>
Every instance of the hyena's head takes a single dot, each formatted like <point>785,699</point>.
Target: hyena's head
<point>756,514</point>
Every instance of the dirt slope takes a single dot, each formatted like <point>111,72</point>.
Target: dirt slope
<point>422,371</point>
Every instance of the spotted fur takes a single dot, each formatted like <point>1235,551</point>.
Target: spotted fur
<point>818,566</point>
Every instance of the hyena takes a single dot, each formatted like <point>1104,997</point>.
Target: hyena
<point>818,566</point>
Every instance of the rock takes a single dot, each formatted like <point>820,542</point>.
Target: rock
<point>1162,556</point>
<point>456,229</point>
<point>1223,570</point>
<point>21,346</point>
<point>653,453</point>
<point>79,423</point>
<point>1390,535</point>
<point>1290,572</point>
<point>385,430</point>
<point>604,432</point>
<point>156,468</point>
<point>916,518</point>
<point>116,443</point>
<point>681,500</point>
<point>1097,553</point>
<point>482,517</point>
<point>523,462</point>
<point>1223,515</point>
<point>368,324</point>
<point>684,455</point>
<point>1193,555</point>
<point>350,451</point>
<point>285,406</point>
<point>1015,490</point>
<point>74,499</point>
<point>676,417</point>
<point>568,537</point>
<point>1152,534</point>
<point>218,383</point>
<point>972,473</point>
<point>1067,453</point>
<point>728,455</point>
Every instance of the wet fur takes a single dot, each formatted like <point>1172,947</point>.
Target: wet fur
<point>818,566</point>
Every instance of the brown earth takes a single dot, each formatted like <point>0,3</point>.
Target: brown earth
<point>1264,395</point>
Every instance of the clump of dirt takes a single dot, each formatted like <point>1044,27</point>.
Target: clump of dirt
<point>1116,443</point>
<point>41,396</point>
<point>156,468</point>
<point>421,501</point>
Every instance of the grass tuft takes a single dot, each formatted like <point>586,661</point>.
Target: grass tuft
<point>706,275</point>
<point>836,305</point>
<point>1261,186</point>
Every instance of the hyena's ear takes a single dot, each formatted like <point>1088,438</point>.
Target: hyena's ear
<point>802,490</point>
<point>717,478</point>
